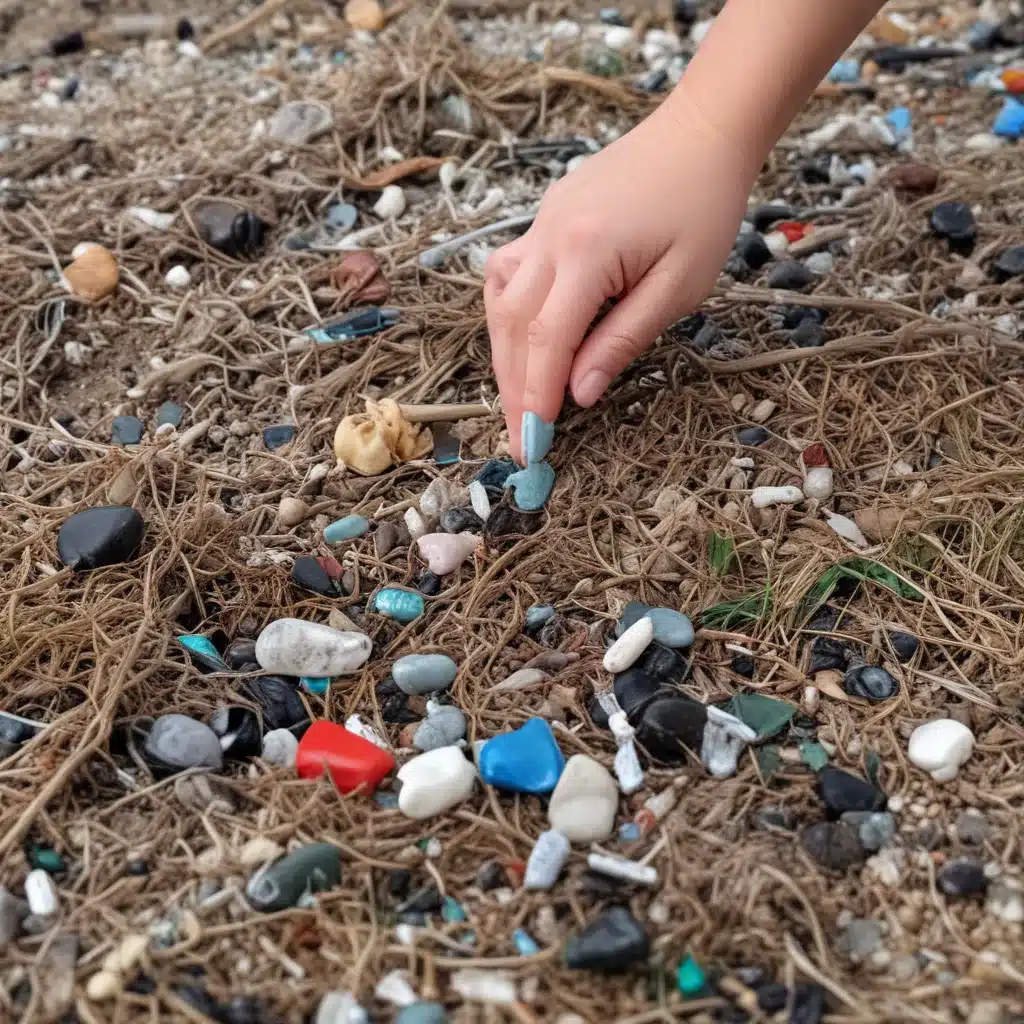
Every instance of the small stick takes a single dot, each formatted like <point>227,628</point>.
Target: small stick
<point>266,10</point>
<point>444,413</point>
<point>434,258</point>
<point>817,240</point>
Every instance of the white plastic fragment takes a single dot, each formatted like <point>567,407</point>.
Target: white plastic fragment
<point>725,738</point>
<point>415,523</point>
<point>547,858</point>
<point>484,986</point>
<point>355,724</point>
<point>434,782</point>
<point>762,497</point>
<point>633,642</point>
<point>619,38</point>
<point>479,500</point>
<point>940,747</point>
<point>619,867</point>
<point>391,202</point>
<point>394,988</point>
<point>818,482</point>
<point>151,218</point>
<point>41,893</point>
<point>340,1007</point>
<point>627,769</point>
<point>178,278</point>
<point>847,529</point>
<point>103,985</point>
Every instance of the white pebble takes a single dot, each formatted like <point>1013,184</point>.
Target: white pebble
<point>762,497</point>
<point>565,30</point>
<point>415,523</point>
<point>41,893</point>
<point>633,642</point>
<point>178,278</point>
<point>818,482</point>
<point>619,37</point>
<point>777,242</point>
<point>391,203</point>
<point>103,985</point>
<point>619,867</point>
<point>280,747</point>
<point>295,647</point>
<point>941,747</point>
<point>126,954</point>
<point>338,1007</point>
<point>584,802</point>
<point>394,988</point>
<point>435,782</point>
<point>479,500</point>
<point>484,986</point>
<point>151,218</point>
<point>820,263</point>
<point>546,861</point>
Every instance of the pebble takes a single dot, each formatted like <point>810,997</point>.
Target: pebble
<point>547,858</point>
<point>440,495</point>
<point>955,222</point>
<point>480,500</point>
<point>170,414</point>
<point>664,663</point>
<point>538,615</point>
<point>346,529</point>
<point>634,689</point>
<point>808,334</point>
<point>940,747</point>
<point>834,844</point>
<point>299,122</point>
<point>532,486</point>
<point>536,435</point>
<point>353,763</point>
<point>278,436</point>
<point>611,943</point>
<point>480,986</point>
<point>841,792</point>
<point>875,829</point>
<point>671,628</point>
<point>41,893</point>
<point>820,263</point>
<point>672,725</point>
<point>178,278</point>
<point>422,1013</point>
<point>494,474</point>
<point>104,535</point>
<point>629,646</point>
<point>971,827</point>
<point>460,520</point>
<point>309,574</point>
<point>584,803</point>
<point>92,274</point>
<point>521,680</point>
<point>764,497</point>
<point>870,682</point>
<point>752,249</point>
<point>417,674</point>
<point>340,1007</point>
<point>103,985</point>
<point>259,851</point>
<point>202,651</point>
<point>281,885</point>
<point>228,227</point>
<point>365,15</point>
<point>385,539</point>
<point>430,584</point>
<point>391,202</point>
<point>1009,263</point>
<point>962,877</point>
<point>791,276</point>
<point>295,647</point>
<point>526,760</point>
<point>127,430</point>
<point>401,605</point>
<point>904,645</point>
<point>435,782</point>
<point>444,726</point>
<point>445,552</point>
<point>238,731</point>
<point>280,747</point>
<point>178,742</point>
<point>752,436</point>
<point>860,938</point>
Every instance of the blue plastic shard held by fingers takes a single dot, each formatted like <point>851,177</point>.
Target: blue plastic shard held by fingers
<point>360,324</point>
<point>537,437</point>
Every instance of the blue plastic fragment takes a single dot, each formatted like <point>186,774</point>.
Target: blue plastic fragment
<point>317,685</point>
<point>1009,122</point>
<point>452,910</point>
<point>360,324</point>
<point>629,832</point>
<point>202,650</point>
<point>400,605</point>
<point>532,486</point>
<point>900,120</point>
<point>538,614</point>
<point>385,799</point>
<point>845,72</point>
<point>524,943</point>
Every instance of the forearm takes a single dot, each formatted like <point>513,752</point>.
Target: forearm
<point>761,61</point>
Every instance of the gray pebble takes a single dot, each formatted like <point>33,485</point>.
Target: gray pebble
<point>181,742</point>
<point>834,844</point>
<point>971,828</point>
<point>12,912</point>
<point>875,829</point>
<point>860,938</point>
<point>444,726</point>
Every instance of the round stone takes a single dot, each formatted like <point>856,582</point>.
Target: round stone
<point>95,537</point>
<point>583,804</point>
<point>280,747</point>
<point>870,682</point>
<point>435,782</point>
<point>834,844</point>
<point>962,877</point>
<point>294,647</point>
<point>416,674</point>
<point>179,742</point>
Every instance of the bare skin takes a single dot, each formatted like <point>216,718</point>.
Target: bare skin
<point>651,219</point>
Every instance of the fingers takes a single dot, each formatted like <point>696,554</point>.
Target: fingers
<point>626,332</point>
<point>554,335</point>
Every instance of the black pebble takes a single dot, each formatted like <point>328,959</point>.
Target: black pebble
<point>827,653</point>
<point>833,844</point>
<point>772,997</point>
<point>670,724</point>
<point>809,1005</point>
<point>904,645</point>
<point>664,663</point>
<point>631,614</point>
<point>238,730</point>
<point>506,520</point>
<point>597,714</point>
<point>709,334</point>
<point>653,81</point>
<point>794,316</point>
<point>426,900</point>
<point>841,791</point>
<point>106,535</point>
<point>127,430</point>
<point>870,682</point>
<point>808,334</point>
<point>765,216</point>
<point>817,171</point>
<point>1009,263</point>
<point>613,942</point>
<point>634,689</point>
<point>185,31</point>
<point>752,436</point>
<point>955,222</point>
<point>136,868</point>
<point>309,574</point>
<point>456,520</point>
<point>13,731</point>
<point>790,276</point>
<point>495,472</point>
<point>685,11</point>
<point>736,267</point>
<point>277,437</point>
<point>66,45</point>
<point>279,701</point>
<point>963,877</point>
<point>744,665</point>
<point>394,704</point>
<point>398,882</point>
<point>491,876</point>
<point>240,652</point>
<point>753,249</point>
<point>430,584</point>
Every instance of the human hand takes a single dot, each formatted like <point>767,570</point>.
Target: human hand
<point>649,220</point>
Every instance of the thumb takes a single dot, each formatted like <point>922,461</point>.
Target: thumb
<point>625,333</point>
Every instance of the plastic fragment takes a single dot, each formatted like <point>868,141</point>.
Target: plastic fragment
<point>627,870</point>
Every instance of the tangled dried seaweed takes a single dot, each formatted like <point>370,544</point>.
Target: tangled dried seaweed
<point>91,653</point>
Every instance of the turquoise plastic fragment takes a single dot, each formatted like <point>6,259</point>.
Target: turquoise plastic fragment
<point>401,605</point>
<point>346,529</point>
<point>532,486</point>
<point>690,977</point>
<point>202,649</point>
<point>317,685</point>
<point>452,910</point>
<point>536,437</point>
<point>525,943</point>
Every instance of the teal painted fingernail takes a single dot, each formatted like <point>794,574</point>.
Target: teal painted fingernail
<point>536,437</point>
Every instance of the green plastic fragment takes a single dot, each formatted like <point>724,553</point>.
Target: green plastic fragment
<point>690,977</point>
<point>46,859</point>
<point>768,761</point>
<point>765,715</point>
<point>813,755</point>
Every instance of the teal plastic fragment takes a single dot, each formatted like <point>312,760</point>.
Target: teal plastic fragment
<point>690,977</point>
<point>202,650</point>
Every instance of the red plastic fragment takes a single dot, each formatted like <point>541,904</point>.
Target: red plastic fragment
<point>354,764</point>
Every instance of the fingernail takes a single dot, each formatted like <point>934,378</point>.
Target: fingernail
<point>591,387</point>
<point>537,436</point>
